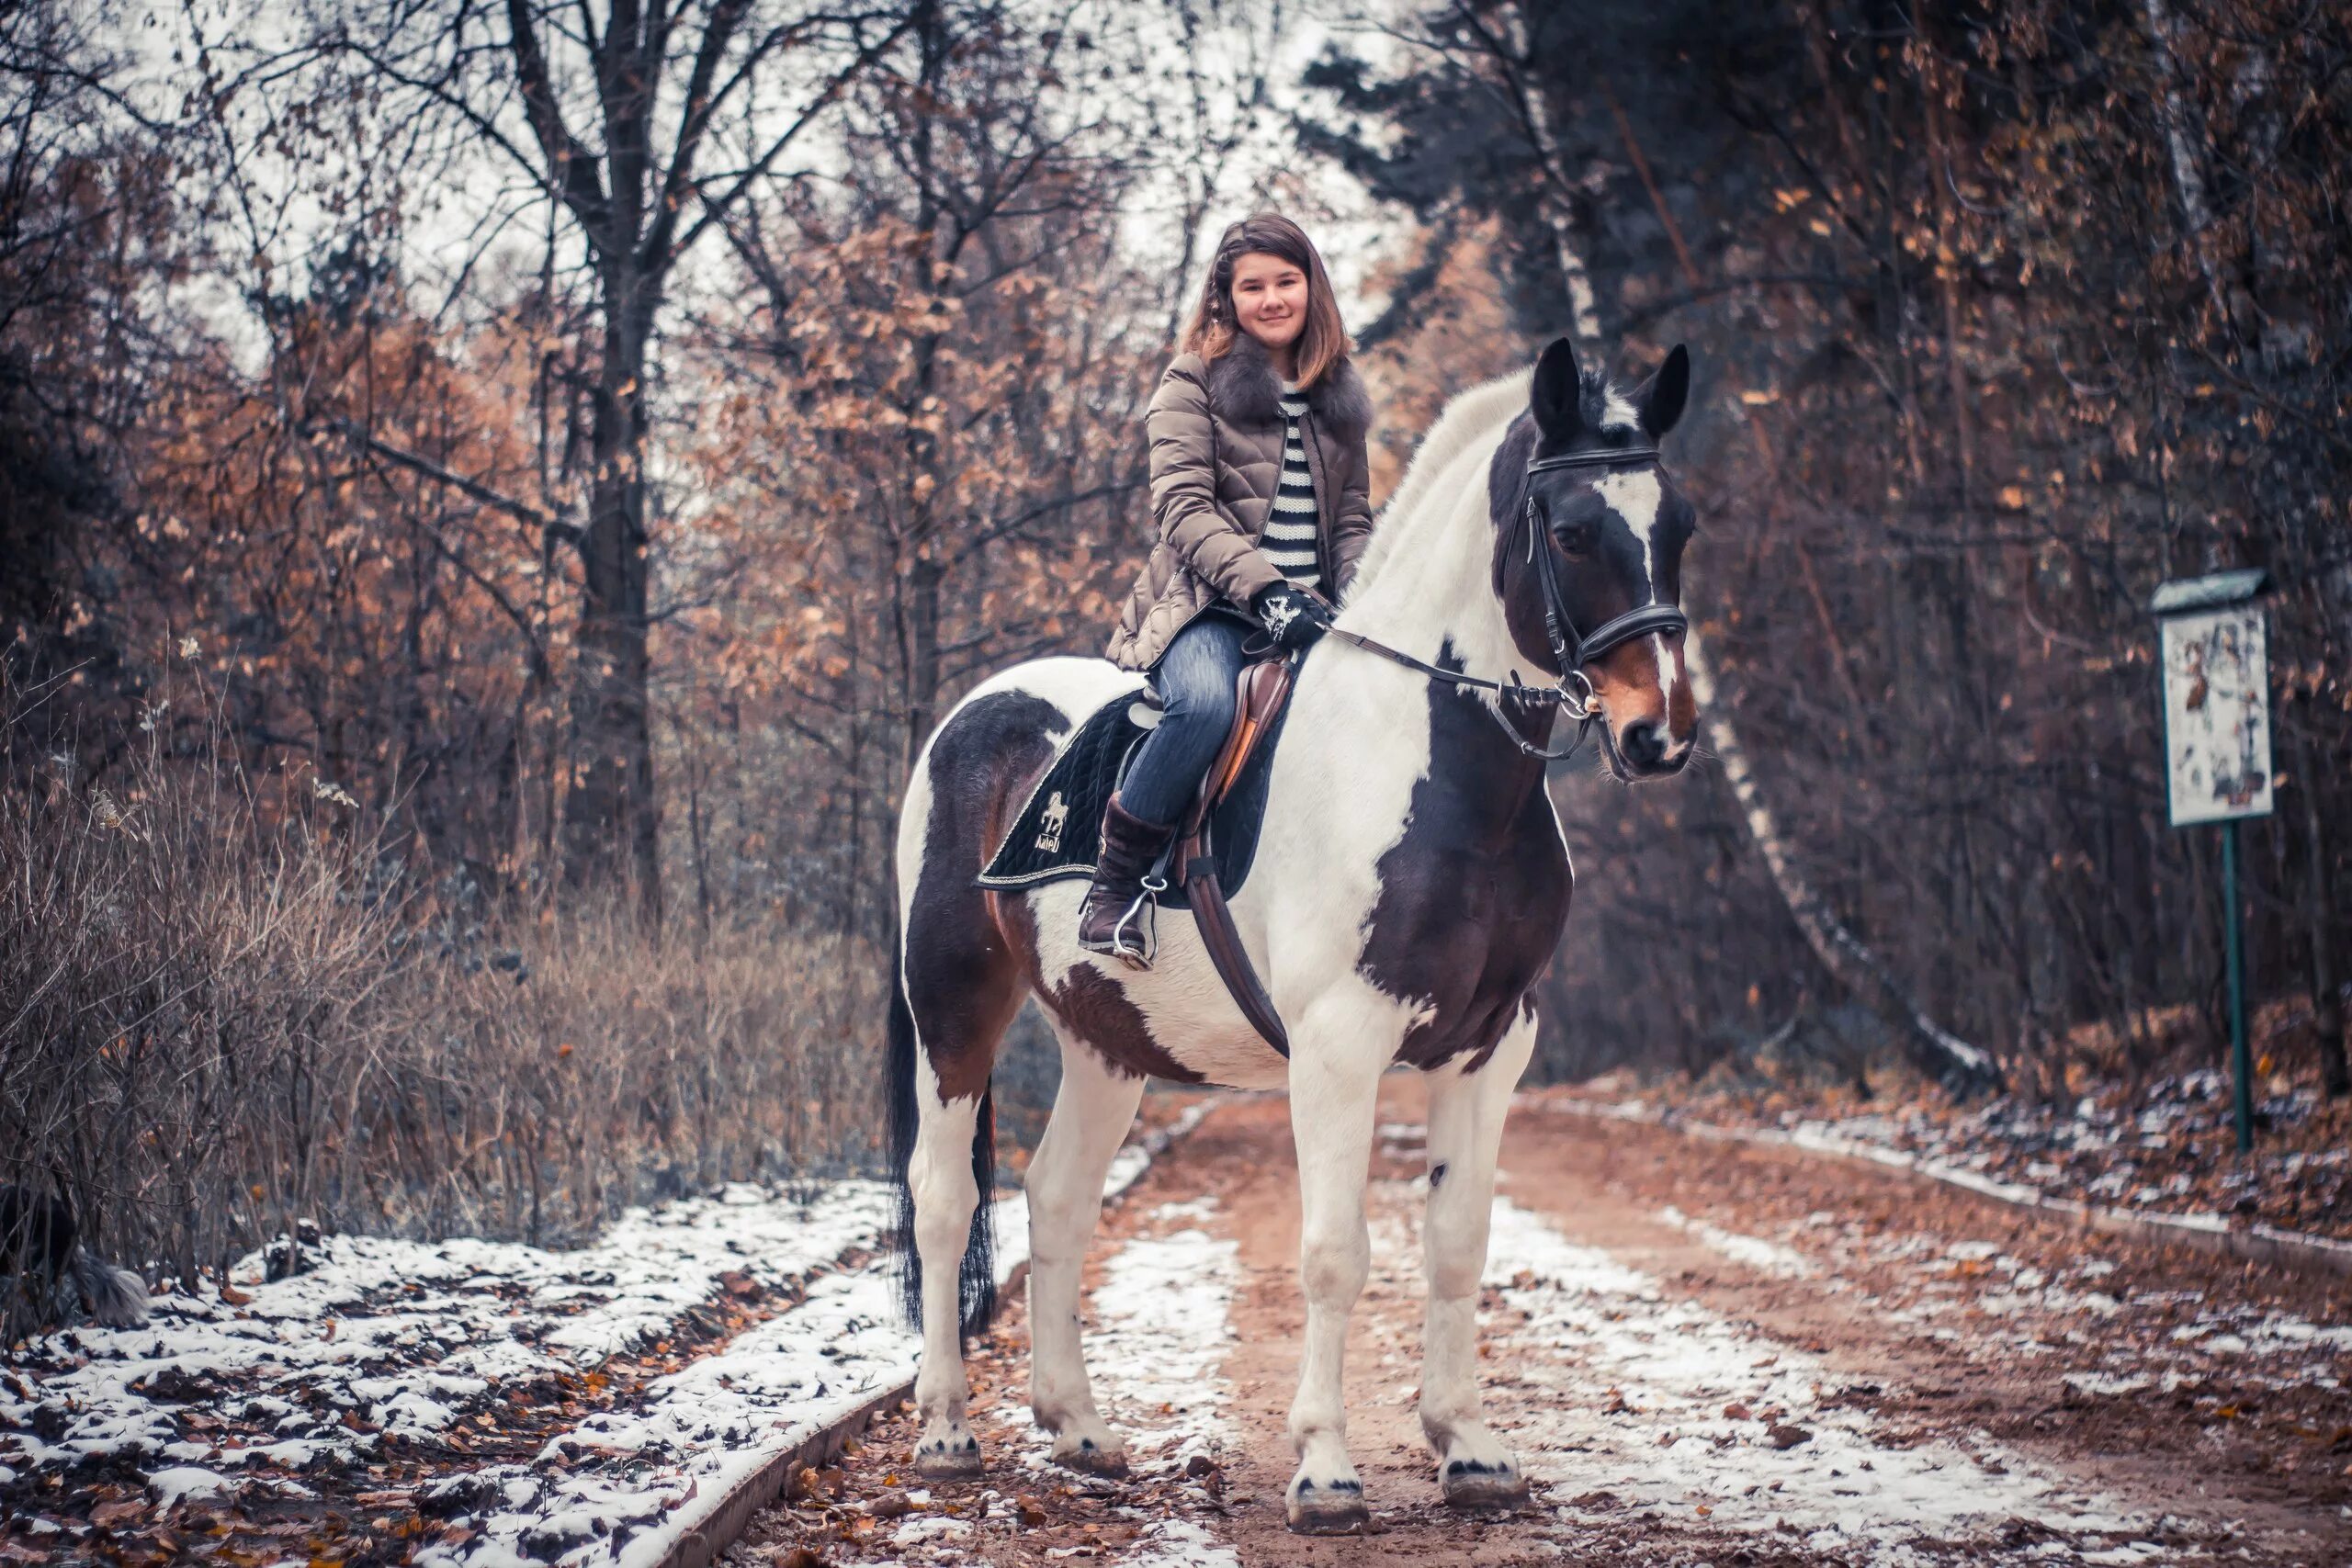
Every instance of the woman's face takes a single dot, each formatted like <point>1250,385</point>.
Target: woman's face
<point>1269,297</point>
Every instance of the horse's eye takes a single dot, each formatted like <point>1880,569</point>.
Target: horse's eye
<point>1574,538</point>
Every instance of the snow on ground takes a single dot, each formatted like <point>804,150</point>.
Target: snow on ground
<point>2001,1308</point>
<point>1753,1252</point>
<point>1159,1328</point>
<point>624,1486</point>
<point>620,1486</point>
<point>1162,1328</point>
<point>403,1336</point>
<point>2131,1156</point>
<point>409,1338</point>
<point>1713,1424</point>
<point>1179,1543</point>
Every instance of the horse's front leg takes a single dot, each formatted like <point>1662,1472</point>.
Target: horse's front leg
<point>1337,1055</point>
<point>1465,1132</point>
<point>1092,1111</point>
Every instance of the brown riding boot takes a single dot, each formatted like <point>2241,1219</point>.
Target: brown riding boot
<point>1116,917</point>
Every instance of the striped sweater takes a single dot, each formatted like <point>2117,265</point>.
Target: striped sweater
<point>1291,526</point>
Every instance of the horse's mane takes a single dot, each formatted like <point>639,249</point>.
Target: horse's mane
<point>1481,413</point>
<point>1478,415</point>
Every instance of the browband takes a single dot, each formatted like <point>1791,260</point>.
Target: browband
<point>1596,459</point>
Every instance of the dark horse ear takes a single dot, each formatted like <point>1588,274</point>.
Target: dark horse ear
<point>1662,397</point>
<point>1559,391</point>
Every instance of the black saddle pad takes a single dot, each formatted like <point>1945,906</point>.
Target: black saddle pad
<point>1060,830</point>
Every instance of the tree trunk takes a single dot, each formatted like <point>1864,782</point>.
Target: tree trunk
<point>926,570</point>
<point>1962,1066</point>
<point>2181,143</point>
<point>2327,997</point>
<point>923,580</point>
<point>611,819</point>
<point>1583,303</point>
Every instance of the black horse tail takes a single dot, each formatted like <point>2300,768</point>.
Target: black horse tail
<point>977,1288</point>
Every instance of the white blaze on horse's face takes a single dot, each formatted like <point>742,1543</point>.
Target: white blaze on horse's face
<point>1652,717</point>
<point>1634,498</point>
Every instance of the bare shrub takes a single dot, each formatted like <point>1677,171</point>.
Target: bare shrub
<point>219,1016</point>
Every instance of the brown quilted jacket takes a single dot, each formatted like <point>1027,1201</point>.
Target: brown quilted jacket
<point>1215,429</point>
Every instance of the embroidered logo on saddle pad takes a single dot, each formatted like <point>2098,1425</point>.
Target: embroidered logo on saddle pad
<point>1057,813</point>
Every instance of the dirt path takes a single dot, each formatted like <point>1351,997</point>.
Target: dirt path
<point>1700,1354</point>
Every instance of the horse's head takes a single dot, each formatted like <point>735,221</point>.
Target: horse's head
<point>1612,530</point>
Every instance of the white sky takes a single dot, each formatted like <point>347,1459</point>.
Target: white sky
<point>286,210</point>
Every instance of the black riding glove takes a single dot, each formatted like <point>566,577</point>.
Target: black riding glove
<point>1292,616</point>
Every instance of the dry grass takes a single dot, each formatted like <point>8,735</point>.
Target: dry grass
<point>217,1017</point>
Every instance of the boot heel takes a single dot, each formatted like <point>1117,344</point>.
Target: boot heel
<point>1117,917</point>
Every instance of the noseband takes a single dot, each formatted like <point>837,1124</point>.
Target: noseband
<point>1571,651</point>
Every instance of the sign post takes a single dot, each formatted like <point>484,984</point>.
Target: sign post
<point>2217,750</point>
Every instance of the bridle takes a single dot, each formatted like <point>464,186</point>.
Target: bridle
<point>1571,651</point>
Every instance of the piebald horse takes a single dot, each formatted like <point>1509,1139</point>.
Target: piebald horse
<point>1410,887</point>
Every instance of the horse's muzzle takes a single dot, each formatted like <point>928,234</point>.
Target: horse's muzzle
<point>1646,748</point>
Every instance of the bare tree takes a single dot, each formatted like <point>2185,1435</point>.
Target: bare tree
<point>645,127</point>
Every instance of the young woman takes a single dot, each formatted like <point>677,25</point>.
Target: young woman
<point>1259,493</point>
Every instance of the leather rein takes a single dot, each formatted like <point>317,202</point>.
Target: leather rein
<point>1571,651</point>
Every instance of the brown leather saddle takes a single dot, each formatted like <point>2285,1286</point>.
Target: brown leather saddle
<point>1261,691</point>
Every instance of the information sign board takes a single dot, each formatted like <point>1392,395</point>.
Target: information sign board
<point>2217,715</point>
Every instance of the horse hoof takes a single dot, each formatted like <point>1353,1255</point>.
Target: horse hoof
<point>949,1462</point>
<point>1090,1457</point>
<point>1337,1509</point>
<point>1476,1488</point>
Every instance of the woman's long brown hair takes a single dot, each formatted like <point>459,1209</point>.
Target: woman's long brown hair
<point>1322,343</point>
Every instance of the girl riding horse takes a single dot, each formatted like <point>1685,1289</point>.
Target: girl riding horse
<point>1259,492</point>
<point>1410,882</point>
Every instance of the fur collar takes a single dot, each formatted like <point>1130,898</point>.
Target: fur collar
<point>1244,390</point>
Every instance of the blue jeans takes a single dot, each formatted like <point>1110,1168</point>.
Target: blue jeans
<point>1194,679</point>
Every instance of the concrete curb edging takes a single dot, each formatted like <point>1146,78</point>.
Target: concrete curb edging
<point>2210,1234</point>
<point>700,1544</point>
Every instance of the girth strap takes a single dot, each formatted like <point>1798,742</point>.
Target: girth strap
<point>1222,944</point>
<point>1265,689</point>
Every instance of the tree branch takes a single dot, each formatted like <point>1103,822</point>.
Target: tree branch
<point>551,527</point>
<point>570,165</point>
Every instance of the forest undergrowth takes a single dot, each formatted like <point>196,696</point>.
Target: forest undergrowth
<point>2137,1114</point>
<point>234,1009</point>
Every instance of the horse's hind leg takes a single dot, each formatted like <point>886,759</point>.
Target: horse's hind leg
<point>961,988</point>
<point>945,1194</point>
<point>1465,1133</point>
<point>1092,1113</point>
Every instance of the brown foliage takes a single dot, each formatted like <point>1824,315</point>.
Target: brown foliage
<point>2002,316</point>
